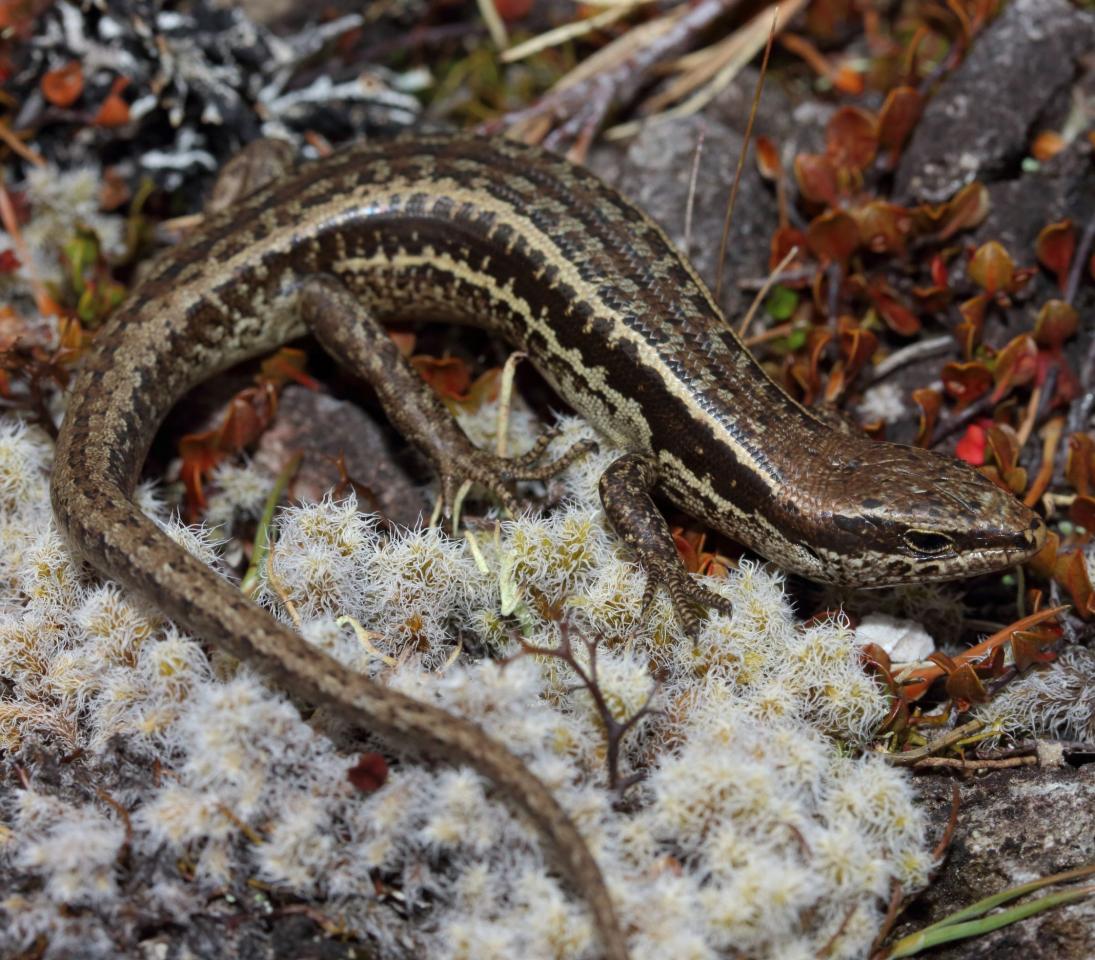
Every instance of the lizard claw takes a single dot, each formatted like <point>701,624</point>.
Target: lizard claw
<point>685,594</point>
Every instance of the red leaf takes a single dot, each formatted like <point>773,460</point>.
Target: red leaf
<point>939,271</point>
<point>1057,322</point>
<point>851,138</point>
<point>1055,247</point>
<point>899,318</point>
<point>782,241</point>
<point>370,772</point>
<point>1015,365</point>
<point>965,209</point>
<point>833,236</point>
<point>114,111</point>
<point>971,447</point>
<point>897,118</point>
<point>816,178</point>
<point>966,381</point>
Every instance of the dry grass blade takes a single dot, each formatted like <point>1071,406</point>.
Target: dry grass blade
<point>495,26</point>
<point>721,260</point>
<point>570,31</point>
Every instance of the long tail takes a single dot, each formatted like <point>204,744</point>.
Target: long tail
<point>102,524</point>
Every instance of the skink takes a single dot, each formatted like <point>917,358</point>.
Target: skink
<point>544,254</point>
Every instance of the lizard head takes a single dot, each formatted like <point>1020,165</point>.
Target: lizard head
<point>901,514</point>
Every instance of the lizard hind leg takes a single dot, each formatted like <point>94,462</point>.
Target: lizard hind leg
<point>357,340</point>
<point>625,494</point>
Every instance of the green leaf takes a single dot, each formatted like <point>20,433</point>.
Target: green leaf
<point>781,303</point>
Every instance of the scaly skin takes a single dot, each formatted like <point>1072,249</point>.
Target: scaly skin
<point>547,256</point>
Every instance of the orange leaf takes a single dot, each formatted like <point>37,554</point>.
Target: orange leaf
<point>930,403</point>
<point>851,138</point>
<point>449,376</point>
<point>1004,443</point>
<point>816,178</point>
<point>114,111</point>
<point>965,209</point>
<point>965,382</point>
<point>287,365</point>
<point>1047,145</point>
<point>964,687</point>
<point>833,236</point>
<point>848,79</point>
<point>405,340</point>
<point>1082,513</point>
<point>1015,365</point>
<point>968,332</point>
<point>768,162</point>
<point>1070,571</point>
<point>916,689</point>
<point>897,118</point>
<point>1028,647</point>
<point>1080,465</point>
<point>883,226</point>
<point>62,87</point>
<point>991,268</point>
<point>1055,247</point>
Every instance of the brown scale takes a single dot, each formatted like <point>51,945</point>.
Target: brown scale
<point>608,311</point>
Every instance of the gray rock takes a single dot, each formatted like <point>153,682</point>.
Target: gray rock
<point>323,427</point>
<point>1014,826</point>
<point>978,124</point>
<point>654,170</point>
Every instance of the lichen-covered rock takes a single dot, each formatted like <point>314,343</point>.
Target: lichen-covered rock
<point>978,124</point>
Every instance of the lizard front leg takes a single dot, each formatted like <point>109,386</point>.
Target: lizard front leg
<point>625,494</point>
<point>356,339</point>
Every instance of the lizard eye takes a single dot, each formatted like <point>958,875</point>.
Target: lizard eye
<point>927,542</point>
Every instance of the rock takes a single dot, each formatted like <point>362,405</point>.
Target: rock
<point>978,124</point>
<point>1014,826</point>
<point>1020,208</point>
<point>323,427</point>
<point>654,169</point>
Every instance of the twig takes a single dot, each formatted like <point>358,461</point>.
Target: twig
<point>721,262</point>
<point>914,352</point>
<point>743,330</point>
<point>929,762</point>
<point>944,843</point>
<point>908,757</point>
<point>1079,260</point>
<point>693,176</point>
<point>612,76</point>
<point>615,731</point>
<point>972,412</point>
<point>791,276</point>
